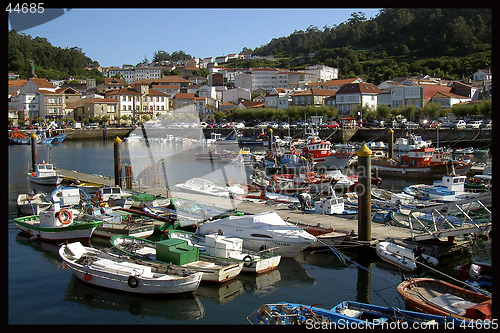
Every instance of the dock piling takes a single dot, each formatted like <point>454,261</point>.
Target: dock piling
<point>390,151</point>
<point>118,162</point>
<point>34,158</point>
<point>364,193</point>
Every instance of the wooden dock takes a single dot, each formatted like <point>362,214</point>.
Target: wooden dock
<point>379,232</point>
<point>350,224</point>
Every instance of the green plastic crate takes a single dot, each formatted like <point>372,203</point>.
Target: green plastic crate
<point>176,251</point>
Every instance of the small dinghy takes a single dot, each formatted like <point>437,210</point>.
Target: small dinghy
<point>403,257</point>
<point>33,204</point>
<point>111,271</point>
<point>444,299</point>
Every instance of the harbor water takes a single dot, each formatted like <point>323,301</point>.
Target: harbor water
<point>42,291</point>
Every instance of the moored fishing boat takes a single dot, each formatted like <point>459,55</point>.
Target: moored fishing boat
<point>55,225</point>
<point>349,314</point>
<point>208,187</point>
<point>445,299</point>
<point>45,174</point>
<point>117,222</point>
<point>418,163</point>
<point>178,253</point>
<point>104,269</point>
<point>321,153</point>
<point>214,245</point>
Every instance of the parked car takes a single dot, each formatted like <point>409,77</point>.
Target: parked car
<point>332,124</point>
<point>459,124</point>
<point>239,125</point>
<point>283,125</point>
<point>474,124</point>
<point>486,125</point>
<point>435,124</point>
<point>371,123</point>
<point>410,124</point>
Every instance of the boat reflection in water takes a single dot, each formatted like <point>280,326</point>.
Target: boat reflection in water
<point>174,307</point>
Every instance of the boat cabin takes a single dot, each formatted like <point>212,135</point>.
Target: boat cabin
<point>418,157</point>
<point>452,183</point>
<point>44,170</point>
<point>111,192</point>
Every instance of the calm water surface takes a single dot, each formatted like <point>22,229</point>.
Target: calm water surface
<point>41,291</point>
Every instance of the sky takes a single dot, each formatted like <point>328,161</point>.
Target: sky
<point>118,36</point>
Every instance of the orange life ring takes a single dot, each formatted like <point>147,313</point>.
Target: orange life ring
<point>67,220</point>
<point>310,176</point>
<point>293,149</point>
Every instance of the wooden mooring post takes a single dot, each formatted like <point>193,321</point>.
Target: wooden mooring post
<point>364,188</point>
<point>34,158</point>
<point>118,161</point>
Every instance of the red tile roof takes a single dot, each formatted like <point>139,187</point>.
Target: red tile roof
<point>359,88</point>
<point>42,83</point>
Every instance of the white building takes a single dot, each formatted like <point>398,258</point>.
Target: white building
<point>235,95</point>
<point>131,74</point>
<point>352,94</point>
<point>482,74</point>
<point>322,73</point>
<point>279,98</point>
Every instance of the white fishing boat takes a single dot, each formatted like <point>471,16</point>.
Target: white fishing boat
<point>55,225</point>
<point>45,174</point>
<point>410,142</point>
<point>403,257</point>
<point>342,181</point>
<point>177,253</point>
<point>33,204</point>
<point>132,137</point>
<point>229,247</point>
<point>261,231</point>
<point>208,187</point>
<point>333,206</point>
<point>108,270</point>
<point>113,196</point>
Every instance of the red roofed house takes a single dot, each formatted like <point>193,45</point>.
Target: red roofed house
<point>418,95</point>
<point>352,94</point>
<point>139,100</point>
<point>38,98</point>
<point>447,99</point>
<point>101,107</point>
<point>311,96</point>
<point>183,100</point>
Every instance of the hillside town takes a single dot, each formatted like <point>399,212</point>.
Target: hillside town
<point>133,94</point>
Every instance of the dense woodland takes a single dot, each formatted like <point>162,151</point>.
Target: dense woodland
<point>51,62</point>
<point>450,43</point>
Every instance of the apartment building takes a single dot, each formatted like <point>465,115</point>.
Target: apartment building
<point>131,74</point>
<point>322,73</point>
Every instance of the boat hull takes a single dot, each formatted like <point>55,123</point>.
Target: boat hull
<point>119,279</point>
<point>57,235</point>
<point>420,294</point>
<point>51,180</point>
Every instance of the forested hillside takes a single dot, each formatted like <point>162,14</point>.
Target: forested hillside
<point>448,42</point>
<point>50,61</point>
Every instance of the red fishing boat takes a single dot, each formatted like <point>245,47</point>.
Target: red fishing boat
<point>421,162</point>
<point>321,153</point>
